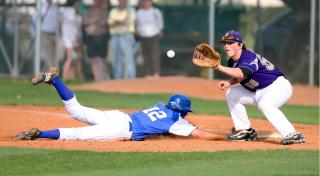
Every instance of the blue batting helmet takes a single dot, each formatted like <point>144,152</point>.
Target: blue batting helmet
<point>179,102</point>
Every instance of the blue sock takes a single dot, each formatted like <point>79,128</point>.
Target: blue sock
<point>64,92</point>
<point>51,134</point>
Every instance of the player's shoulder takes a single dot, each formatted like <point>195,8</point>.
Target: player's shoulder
<point>247,55</point>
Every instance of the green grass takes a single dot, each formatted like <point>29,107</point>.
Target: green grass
<point>43,162</point>
<point>21,92</point>
<point>16,161</point>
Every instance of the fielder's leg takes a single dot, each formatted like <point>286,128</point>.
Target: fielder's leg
<point>237,97</point>
<point>269,106</point>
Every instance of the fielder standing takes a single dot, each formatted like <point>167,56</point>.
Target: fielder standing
<point>261,84</point>
<point>159,118</point>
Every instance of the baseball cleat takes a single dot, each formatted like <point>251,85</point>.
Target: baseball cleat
<point>32,134</point>
<point>243,135</point>
<point>45,77</point>
<point>293,138</point>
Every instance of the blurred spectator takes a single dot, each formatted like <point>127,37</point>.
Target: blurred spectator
<point>72,39</point>
<point>96,29</point>
<point>50,17</point>
<point>149,27</point>
<point>122,27</point>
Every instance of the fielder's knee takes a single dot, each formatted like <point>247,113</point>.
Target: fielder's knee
<point>265,107</point>
<point>231,94</point>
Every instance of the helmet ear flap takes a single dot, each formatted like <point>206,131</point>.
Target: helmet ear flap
<point>183,113</point>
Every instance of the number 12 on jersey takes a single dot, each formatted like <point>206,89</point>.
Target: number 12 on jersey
<point>154,113</point>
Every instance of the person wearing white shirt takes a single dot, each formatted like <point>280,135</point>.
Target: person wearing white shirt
<point>122,27</point>
<point>149,24</point>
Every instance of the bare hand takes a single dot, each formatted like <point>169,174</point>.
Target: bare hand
<point>224,85</point>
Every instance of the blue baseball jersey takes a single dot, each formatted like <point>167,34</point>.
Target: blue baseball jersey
<point>263,72</point>
<point>158,119</point>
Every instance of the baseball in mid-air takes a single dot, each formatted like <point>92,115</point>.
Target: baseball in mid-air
<point>171,54</point>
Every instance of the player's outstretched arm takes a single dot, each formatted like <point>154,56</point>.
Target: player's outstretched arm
<point>206,135</point>
<point>232,72</point>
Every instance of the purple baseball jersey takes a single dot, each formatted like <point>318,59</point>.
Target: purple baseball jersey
<point>263,71</point>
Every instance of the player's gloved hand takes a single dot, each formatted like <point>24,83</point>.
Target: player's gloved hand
<point>205,56</point>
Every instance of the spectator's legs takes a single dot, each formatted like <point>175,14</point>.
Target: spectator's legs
<point>47,49</point>
<point>102,51</point>
<point>97,46</point>
<point>94,68</point>
<point>67,67</point>
<point>102,68</point>
<point>78,66</point>
<point>146,56</point>
<point>98,69</point>
<point>117,64</point>
<point>151,55</point>
<point>155,55</point>
<point>127,45</point>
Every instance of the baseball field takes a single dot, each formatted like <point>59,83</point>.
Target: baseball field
<point>23,106</point>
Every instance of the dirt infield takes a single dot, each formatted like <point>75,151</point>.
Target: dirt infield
<point>197,87</point>
<point>14,119</point>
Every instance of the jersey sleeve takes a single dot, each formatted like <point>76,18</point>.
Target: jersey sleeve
<point>250,62</point>
<point>230,63</point>
<point>182,128</point>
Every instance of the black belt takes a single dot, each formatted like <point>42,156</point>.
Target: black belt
<point>130,126</point>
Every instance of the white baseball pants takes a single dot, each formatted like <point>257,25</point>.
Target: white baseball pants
<point>105,125</point>
<point>268,100</point>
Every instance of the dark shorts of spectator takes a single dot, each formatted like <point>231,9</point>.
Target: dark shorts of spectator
<point>96,46</point>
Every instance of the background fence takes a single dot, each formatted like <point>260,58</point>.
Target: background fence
<point>281,34</point>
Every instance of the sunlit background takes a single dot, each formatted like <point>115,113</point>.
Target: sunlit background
<point>284,31</point>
